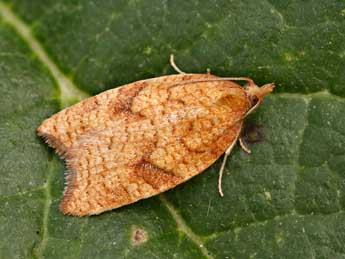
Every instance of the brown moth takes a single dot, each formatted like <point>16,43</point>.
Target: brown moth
<point>146,137</point>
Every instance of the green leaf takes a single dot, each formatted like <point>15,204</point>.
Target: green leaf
<point>284,200</point>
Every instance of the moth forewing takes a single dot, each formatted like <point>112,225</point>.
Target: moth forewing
<point>144,138</point>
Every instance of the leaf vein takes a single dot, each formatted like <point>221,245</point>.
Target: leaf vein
<point>67,88</point>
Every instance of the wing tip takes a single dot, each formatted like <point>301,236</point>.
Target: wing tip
<point>51,140</point>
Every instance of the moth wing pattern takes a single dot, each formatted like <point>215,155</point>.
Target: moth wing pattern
<point>122,174</point>
<point>95,113</point>
<point>147,137</point>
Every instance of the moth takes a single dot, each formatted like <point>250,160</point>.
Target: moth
<point>146,137</point>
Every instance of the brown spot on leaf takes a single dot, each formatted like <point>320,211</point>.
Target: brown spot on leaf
<point>139,236</point>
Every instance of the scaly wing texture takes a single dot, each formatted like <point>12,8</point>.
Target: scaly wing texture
<point>141,139</point>
<point>96,113</point>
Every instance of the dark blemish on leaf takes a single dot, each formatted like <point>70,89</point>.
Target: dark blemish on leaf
<point>139,236</point>
<point>252,133</point>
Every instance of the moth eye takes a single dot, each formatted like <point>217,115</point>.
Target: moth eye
<point>246,86</point>
<point>255,99</point>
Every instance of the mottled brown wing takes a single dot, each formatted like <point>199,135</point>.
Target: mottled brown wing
<point>162,137</point>
<point>96,113</point>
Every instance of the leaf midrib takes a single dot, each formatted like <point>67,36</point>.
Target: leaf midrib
<point>66,86</point>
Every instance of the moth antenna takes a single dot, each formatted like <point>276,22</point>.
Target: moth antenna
<point>172,63</point>
<point>244,147</point>
<point>213,79</point>
<point>221,170</point>
<point>253,108</point>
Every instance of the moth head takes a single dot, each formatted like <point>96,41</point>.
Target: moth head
<point>256,93</point>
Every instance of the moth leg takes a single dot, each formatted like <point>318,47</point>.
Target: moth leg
<point>172,63</point>
<point>226,154</point>
<point>244,147</point>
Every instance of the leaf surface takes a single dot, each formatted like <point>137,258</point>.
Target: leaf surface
<point>285,200</point>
